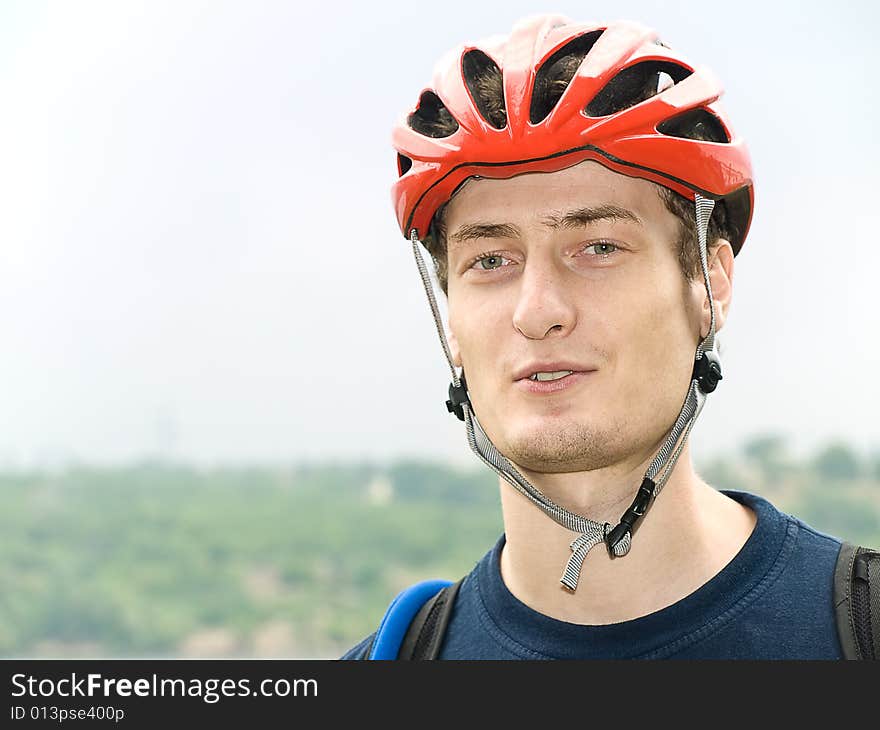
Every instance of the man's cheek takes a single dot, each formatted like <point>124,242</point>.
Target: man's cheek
<point>652,328</point>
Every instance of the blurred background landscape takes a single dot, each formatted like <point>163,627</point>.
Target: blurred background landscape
<point>161,559</point>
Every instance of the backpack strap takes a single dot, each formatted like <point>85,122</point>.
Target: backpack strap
<point>857,601</point>
<point>400,613</point>
<point>428,629</point>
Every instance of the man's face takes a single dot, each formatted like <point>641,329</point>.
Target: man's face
<point>573,270</point>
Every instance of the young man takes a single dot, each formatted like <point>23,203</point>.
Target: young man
<point>583,197</point>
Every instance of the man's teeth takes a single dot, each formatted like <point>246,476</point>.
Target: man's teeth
<point>551,376</point>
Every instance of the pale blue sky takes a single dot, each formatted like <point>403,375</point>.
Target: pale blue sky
<point>200,257</point>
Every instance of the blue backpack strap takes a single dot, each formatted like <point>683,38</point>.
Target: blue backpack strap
<point>399,615</point>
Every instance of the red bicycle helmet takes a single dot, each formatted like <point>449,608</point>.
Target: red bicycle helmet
<point>675,134</point>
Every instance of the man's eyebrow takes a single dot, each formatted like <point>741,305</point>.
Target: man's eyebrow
<point>583,216</point>
<point>575,218</point>
<point>470,231</point>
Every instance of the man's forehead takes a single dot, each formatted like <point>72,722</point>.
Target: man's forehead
<point>571,197</point>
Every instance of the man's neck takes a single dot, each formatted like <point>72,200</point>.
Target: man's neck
<point>688,535</point>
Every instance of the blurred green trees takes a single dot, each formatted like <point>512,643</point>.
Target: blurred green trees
<point>838,461</point>
<point>769,454</point>
<point>165,560</point>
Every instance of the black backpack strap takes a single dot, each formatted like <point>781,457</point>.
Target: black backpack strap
<point>424,638</point>
<point>857,601</point>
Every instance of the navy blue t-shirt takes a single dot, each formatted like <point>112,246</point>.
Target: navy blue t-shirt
<point>772,601</point>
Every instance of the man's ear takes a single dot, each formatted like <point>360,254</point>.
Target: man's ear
<point>721,279</point>
<point>453,348</point>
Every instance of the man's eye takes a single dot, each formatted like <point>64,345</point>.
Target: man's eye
<point>488,262</point>
<point>602,249</point>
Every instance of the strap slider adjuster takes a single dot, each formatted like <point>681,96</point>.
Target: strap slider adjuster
<point>457,397</point>
<point>707,371</point>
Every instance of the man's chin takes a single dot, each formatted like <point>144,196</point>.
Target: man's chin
<point>576,447</point>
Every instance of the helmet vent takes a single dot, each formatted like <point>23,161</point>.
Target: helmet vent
<point>483,80</point>
<point>696,123</point>
<point>403,164</point>
<point>432,118</point>
<point>556,73</point>
<point>635,84</point>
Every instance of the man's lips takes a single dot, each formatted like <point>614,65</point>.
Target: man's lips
<point>554,386</point>
<point>551,367</point>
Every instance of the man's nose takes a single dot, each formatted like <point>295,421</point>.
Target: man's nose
<point>544,304</point>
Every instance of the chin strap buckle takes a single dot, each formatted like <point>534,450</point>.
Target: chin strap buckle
<point>457,397</point>
<point>636,510</point>
<point>707,371</point>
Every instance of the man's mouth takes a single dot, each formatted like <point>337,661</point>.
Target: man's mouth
<point>556,375</point>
